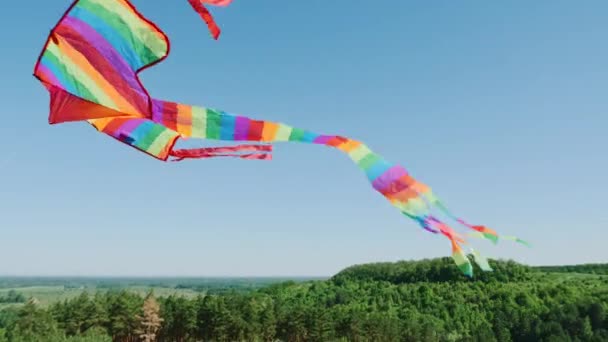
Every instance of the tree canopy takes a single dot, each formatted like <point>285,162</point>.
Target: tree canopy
<point>405,301</point>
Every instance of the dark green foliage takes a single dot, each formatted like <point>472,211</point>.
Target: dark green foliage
<point>13,297</point>
<point>406,301</point>
<point>436,271</point>
<point>584,268</point>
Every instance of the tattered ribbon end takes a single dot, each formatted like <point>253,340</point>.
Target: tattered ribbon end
<point>204,13</point>
<point>258,152</point>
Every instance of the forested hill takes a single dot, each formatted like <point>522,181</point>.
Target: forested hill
<point>433,270</point>
<point>583,268</point>
<point>428,300</point>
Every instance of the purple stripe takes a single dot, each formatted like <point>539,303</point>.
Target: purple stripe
<point>107,51</point>
<point>129,126</point>
<point>157,110</point>
<point>323,139</point>
<point>388,178</point>
<point>241,131</point>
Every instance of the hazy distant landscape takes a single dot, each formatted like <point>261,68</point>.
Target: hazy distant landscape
<point>48,290</point>
<point>426,300</point>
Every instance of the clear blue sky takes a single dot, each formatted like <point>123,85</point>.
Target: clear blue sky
<point>501,107</point>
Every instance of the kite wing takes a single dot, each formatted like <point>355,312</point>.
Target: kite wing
<point>90,65</point>
<point>92,57</point>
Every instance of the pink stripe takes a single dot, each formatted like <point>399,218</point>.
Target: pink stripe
<point>48,74</point>
<point>129,126</point>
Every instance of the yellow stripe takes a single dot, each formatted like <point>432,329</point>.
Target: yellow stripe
<point>76,73</point>
<point>79,61</point>
<point>160,146</point>
<point>199,122</point>
<point>349,145</point>
<point>100,124</point>
<point>359,153</point>
<point>414,206</point>
<point>283,133</point>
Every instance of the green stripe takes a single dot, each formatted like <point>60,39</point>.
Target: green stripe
<point>161,142</point>
<point>431,197</point>
<point>122,27</point>
<point>491,237</point>
<point>145,34</point>
<point>147,141</point>
<point>83,91</point>
<point>214,124</point>
<point>296,134</point>
<point>467,269</point>
<point>368,161</point>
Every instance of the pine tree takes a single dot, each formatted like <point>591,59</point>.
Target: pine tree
<point>151,321</point>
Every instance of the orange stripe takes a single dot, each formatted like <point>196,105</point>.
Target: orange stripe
<point>100,124</point>
<point>184,120</point>
<point>420,187</point>
<point>114,125</point>
<point>455,247</point>
<point>270,131</point>
<point>405,195</point>
<point>78,59</point>
<point>408,180</point>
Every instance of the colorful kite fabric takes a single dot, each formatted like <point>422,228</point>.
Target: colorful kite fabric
<point>90,65</point>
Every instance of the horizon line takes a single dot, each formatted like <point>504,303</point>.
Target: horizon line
<point>167,276</point>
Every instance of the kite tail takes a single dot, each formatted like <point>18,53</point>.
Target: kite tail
<point>482,231</point>
<point>414,199</point>
<point>481,261</point>
<point>461,260</point>
<point>486,232</point>
<point>516,239</point>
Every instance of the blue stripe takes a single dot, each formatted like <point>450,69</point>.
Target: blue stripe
<point>377,169</point>
<point>140,133</point>
<point>110,34</point>
<point>227,127</point>
<point>309,137</point>
<point>67,84</point>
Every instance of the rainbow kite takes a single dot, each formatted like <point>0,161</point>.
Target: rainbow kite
<point>90,65</point>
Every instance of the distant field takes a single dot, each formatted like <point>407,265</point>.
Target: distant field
<point>50,294</point>
<point>50,290</point>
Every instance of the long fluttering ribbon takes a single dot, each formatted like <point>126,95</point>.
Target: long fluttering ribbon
<point>257,152</point>
<point>199,7</point>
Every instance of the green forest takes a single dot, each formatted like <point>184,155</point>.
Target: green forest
<point>427,300</point>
